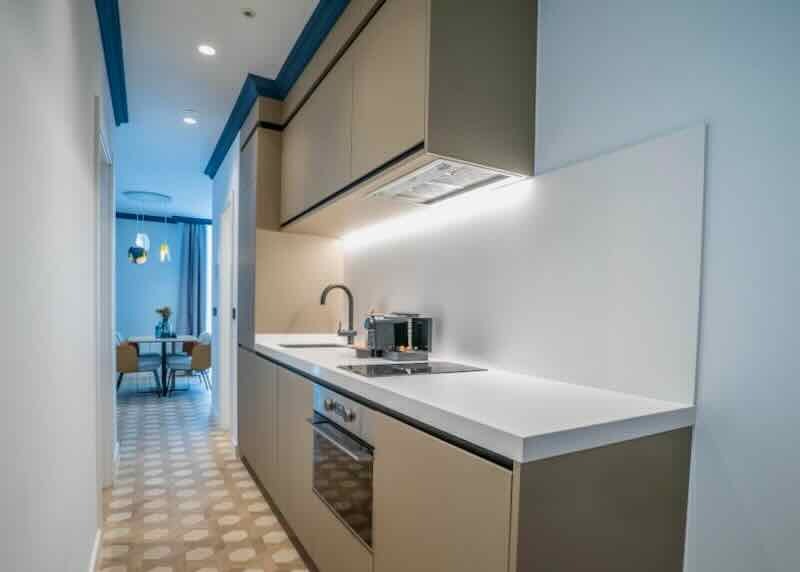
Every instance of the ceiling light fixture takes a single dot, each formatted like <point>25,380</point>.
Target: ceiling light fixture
<point>147,197</point>
<point>190,117</point>
<point>207,50</point>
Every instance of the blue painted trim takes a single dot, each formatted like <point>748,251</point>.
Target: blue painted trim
<point>314,32</point>
<point>161,219</point>
<point>111,38</point>
<point>254,86</point>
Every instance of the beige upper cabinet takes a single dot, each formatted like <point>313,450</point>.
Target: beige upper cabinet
<point>429,80</point>
<point>389,64</point>
<point>316,143</point>
<point>436,507</point>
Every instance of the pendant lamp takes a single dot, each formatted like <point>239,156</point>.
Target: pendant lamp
<point>138,253</point>
<point>163,250</point>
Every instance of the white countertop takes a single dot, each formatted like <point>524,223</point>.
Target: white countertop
<point>521,417</point>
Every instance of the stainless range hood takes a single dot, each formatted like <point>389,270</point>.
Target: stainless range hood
<point>440,180</point>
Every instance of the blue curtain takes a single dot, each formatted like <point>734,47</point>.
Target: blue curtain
<point>191,317</point>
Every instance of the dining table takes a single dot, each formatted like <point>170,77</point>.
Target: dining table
<point>163,343</point>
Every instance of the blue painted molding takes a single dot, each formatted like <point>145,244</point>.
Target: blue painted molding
<point>254,86</point>
<point>111,38</point>
<point>314,32</point>
<point>161,219</point>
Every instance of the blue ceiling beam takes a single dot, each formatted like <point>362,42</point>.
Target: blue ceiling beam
<point>314,33</point>
<point>111,38</point>
<point>254,86</point>
<point>163,219</point>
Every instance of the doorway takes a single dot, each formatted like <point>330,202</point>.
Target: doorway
<point>225,388</point>
<point>105,396</point>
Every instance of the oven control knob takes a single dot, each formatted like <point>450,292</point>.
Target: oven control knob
<point>349,415</point>
<point>329,404</point>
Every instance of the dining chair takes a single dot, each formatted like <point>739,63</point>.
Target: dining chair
<point>128,361</point>
<point>198,362</point>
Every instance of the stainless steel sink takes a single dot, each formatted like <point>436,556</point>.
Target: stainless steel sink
<point>311,346</point>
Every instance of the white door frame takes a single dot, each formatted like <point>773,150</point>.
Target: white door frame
<point>106,399</point>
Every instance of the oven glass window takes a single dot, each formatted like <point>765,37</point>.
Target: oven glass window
<point>344,483</point>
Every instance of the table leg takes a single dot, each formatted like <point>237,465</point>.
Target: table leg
<point>164,368</point>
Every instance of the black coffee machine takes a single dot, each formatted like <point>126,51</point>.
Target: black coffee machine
<point>398,336</point>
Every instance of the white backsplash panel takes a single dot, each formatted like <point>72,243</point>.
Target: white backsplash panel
<point>589,274</point>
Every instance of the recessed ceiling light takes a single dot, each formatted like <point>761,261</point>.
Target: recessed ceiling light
<point>207,50</point>
<point>189,120</point>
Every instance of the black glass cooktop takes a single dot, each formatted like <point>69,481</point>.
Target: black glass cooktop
<point>400,369</point>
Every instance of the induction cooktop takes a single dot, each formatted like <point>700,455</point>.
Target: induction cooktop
<point>401,369</point>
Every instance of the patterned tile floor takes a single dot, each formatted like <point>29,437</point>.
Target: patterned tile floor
<point>182,501</point>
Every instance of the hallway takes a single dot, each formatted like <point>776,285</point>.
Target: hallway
<point>182,501</point>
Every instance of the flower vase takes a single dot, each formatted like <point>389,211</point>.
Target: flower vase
<point>163,329</point>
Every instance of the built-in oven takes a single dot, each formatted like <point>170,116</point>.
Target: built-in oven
<point>343,457</point>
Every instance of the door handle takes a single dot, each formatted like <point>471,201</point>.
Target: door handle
<point>328,431</point>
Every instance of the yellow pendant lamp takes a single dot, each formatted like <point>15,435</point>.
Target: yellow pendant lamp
<point>163,250</point>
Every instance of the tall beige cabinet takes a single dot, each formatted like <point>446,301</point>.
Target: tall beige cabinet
<point>281,274</point>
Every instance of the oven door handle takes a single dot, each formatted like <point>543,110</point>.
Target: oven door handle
<point>328,431</point>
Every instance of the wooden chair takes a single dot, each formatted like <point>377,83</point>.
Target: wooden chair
<point>128,361</point>
<point>198,362</point>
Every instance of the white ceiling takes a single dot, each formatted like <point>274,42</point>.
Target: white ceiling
<point>165,75</point>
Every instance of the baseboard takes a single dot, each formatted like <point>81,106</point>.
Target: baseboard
<point>95,550</point>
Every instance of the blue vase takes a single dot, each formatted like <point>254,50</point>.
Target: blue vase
<point>163,329</point>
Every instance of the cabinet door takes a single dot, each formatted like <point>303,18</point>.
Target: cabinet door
<point>245,400</point>
<point>335,548</point>
<point>295,449</point>
<point>317,146</point>
<point>247,246</point>
<point>262,412</point>
<point>436,507</point>
<point>389,77</point>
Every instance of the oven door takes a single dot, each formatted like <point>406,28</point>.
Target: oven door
<point>343,476</point>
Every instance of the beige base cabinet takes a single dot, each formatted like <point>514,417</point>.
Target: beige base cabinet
<point>436,508</point>
<point>439,508</point>
<point>335,548</point>
<point>244,371</point>
<point>295,449</point>
<point>257,387</point>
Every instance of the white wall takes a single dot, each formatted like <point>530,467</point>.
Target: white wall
<point>141,288</point>
<point>51,71</point>
<point>589,274</point>
<point>616,72</point>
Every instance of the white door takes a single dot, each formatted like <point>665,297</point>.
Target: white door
<point>227,362</point>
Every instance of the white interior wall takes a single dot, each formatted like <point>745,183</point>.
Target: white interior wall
<point>590,274</point>
<point>617,72</point>
<point>52,69</point>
